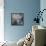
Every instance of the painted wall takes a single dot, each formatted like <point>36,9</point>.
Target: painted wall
<point>28,7</point>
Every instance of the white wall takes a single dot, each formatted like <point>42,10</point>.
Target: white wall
<point>43,6</point>
<point>1,20</point>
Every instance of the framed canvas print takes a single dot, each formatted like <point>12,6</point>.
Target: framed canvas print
<point>17,18</point>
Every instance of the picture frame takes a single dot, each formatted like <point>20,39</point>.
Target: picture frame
<point>17,19</point>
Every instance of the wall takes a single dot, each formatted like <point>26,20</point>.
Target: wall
<point>1,21</point>
<point>28,7</point>
<point>43,6</point>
